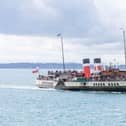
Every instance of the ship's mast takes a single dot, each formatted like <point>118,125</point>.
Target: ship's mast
<point>61,39</point>
<point>124,40</point>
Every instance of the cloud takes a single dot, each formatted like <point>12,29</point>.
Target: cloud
<point>85,19</point>
<point>46,17</point>
<point>91,28</point>
<point>111,14</point>
<point>15,48</point>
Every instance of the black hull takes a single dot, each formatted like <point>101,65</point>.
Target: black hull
<point>91,88</point>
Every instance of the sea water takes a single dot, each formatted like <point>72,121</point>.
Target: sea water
<point>23,104</point>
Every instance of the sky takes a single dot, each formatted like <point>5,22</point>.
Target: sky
<point>90,29</point>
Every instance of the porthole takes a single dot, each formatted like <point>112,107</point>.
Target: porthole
<point>84,83</point>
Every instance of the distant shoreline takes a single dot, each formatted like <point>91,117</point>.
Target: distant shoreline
<point>40,65</point>
<point>45,66</point>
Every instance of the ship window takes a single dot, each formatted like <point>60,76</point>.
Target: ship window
<point>84,83</point>
<point>103,84</point>
<point>117,84</point>
<point>108,84</point>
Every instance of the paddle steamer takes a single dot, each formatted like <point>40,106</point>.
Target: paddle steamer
<point>109,79</point>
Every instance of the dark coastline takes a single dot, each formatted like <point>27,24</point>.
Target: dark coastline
<point>45,66</point>
<point>40,65</point>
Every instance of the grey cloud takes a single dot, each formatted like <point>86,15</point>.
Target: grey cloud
<point>74,18</point>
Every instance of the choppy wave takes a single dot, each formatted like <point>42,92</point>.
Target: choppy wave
<point>23,87</point>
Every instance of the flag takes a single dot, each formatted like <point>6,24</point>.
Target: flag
<point>36,70</point>
<point>59,34</point>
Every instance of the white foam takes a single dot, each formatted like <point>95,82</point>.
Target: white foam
<point>23,87</point>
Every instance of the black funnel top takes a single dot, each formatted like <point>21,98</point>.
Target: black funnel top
<point>87,60</point>
<point>97,60</point>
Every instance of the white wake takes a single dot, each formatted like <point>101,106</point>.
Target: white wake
<point>23,87</point>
